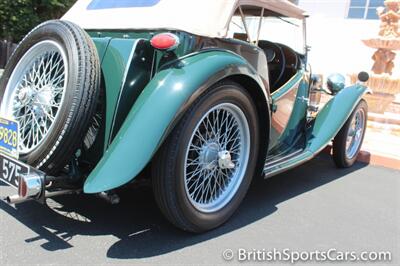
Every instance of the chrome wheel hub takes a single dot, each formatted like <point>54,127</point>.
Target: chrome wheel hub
<point>217,158</point>
<point>225,160</point>
<point>25,95</point>
<point>209,155</point>
<point>35,93</point>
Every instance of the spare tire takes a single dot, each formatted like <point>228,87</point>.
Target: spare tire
<point>51,86</point>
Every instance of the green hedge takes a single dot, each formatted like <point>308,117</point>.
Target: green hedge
<point>18,17</point>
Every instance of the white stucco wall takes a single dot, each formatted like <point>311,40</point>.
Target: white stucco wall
<point>336,45</point>
<point>326,8</point>
<point>336,41</point>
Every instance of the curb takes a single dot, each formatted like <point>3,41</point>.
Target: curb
<point>373,159</point>
<point>379,160</point>
<point>384,118</point>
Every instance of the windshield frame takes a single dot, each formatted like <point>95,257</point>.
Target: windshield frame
<point>305,47</point>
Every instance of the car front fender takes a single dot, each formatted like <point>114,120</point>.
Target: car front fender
<point>333,116</point>
<point>157,109</point>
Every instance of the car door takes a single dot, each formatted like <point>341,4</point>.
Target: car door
<point>289,115</point>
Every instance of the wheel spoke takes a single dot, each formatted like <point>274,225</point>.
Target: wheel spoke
<point>36,92</point>
<point>223,130</point>
<point>354,134</point>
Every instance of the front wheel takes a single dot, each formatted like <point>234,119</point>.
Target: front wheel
<point>204,169</point>
<point>347,143</point>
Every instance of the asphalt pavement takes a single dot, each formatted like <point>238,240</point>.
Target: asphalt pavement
<point>313,207</point>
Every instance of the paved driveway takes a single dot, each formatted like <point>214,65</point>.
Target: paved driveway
<point>314,207</point>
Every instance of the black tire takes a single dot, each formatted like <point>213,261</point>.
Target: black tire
<point>339,155</point>
<point>168,164</point>
<point>81,93</point>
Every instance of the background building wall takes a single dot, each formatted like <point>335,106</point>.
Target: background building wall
<point>335,40</point>
<point>326,8</point>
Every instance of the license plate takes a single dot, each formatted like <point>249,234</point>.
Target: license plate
<point>11,169</point>
<point>9,137</point>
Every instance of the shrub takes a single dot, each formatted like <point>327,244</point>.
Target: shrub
<point>18,17</point>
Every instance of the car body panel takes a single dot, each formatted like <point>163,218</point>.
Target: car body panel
<point>298,119</point>
<point>172,84</point>
<point>114,67</point>
<point>333,116</point>
<point>129,62</point>
<point>324,128</point>
<point>139,72</point>
<point>158,106</point>
<point>289,111</point>
<point>101,46</point>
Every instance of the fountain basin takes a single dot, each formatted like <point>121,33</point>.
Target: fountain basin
<point>383,43</point>
<point>384,89</point>
<point>380,83</point>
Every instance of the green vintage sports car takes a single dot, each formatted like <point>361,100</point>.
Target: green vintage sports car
<point>202,94</point>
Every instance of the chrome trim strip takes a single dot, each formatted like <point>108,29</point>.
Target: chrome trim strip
<point>293,162</point>
<point>298,75</point>
<point>276,161</point>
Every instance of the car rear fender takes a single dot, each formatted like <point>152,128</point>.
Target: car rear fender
<point>101,46</point>
<point>157,110</point>
<point>333,116</point>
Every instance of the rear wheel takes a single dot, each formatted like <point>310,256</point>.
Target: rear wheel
<point>51,87</point>
<point>204,169</point>
<point>348,142</point>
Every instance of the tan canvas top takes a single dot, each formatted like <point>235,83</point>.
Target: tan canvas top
<point>202,17</point>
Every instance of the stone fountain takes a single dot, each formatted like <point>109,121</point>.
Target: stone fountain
<point>382,82</point>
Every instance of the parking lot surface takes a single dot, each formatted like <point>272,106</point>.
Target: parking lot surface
<point>313,207</point>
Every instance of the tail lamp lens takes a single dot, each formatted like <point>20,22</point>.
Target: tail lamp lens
<point>22,188</point>
<point>165,41</point>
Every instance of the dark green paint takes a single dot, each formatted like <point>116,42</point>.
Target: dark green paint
<point>138,76</point>
<point>288,93</point>
<point>325,127</point>
<point>336,82</point>
<point>152,114</point>
<point>333,116</point>
<point>278,94</point>
<point>125,75</point>
<point>101,46</point>
<point>145,100</point>
<point>114,65</point>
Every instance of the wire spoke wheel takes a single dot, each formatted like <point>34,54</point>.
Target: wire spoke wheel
<point>35,93</point>
<point>51,87</point>
<point>204,169</point>
<point>347,143</point>
<point>217,157</point>
<point>355,134</point>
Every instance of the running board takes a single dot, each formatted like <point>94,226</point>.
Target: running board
<point>277,167</point>
<point>279,159</point>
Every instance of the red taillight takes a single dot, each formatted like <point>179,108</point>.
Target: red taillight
<point>165,41</point>
<point>22,188</point>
